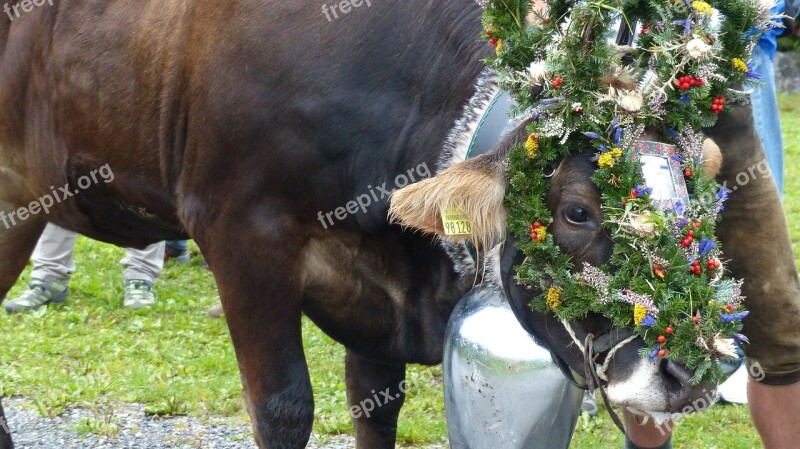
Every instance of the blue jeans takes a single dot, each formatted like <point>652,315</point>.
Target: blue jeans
<point>765,113</point>
<point>178,246</point>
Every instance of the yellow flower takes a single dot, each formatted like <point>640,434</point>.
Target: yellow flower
<point>554,297</point>
<point>639,314</point>
<point>499,47</point>
<point>538,233</point>
<point>609,158</point>
<point>738,64</point>
<point>702,8</point>
<point>606,160</point>
<point>532,145</point>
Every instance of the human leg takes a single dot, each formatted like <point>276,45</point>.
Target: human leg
<point>142,267</point>
<point>53,265</point>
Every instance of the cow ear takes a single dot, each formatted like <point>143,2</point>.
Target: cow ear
<point>712,158</point>
<point>476,186</point>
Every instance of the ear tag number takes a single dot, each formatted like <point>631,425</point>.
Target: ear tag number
<point>456,222</point>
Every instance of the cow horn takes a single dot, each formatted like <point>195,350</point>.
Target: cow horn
<point>712,158</point>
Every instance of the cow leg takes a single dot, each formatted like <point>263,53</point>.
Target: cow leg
<point>375,392</point>
<point>16,245</point>
<point>258,282</point>
<point>5,432</point>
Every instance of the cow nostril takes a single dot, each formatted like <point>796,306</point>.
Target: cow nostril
<point>676,375</point>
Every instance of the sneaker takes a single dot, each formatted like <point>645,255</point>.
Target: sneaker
<point>215,311</point>
<point>39,293</point>
<point>589,403</point>
<point>138,294</point>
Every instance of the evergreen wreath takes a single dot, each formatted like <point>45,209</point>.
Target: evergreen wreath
<point>665,277</point>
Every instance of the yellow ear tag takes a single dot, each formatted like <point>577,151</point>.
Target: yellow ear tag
<point>456,222</point>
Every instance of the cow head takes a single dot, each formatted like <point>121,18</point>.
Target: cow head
<point>477,186</point>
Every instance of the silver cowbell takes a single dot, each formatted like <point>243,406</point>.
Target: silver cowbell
<point>502,389</point>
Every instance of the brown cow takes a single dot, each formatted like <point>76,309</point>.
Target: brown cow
<point>243,123</point>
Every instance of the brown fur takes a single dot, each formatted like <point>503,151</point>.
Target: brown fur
<point>712,158</point>
<point>476,186</point>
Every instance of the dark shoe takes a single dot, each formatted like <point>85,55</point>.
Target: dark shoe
<point>178,255</point>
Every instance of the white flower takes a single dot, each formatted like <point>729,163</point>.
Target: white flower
<point>725,347</point>
<point>642,224</point>
<point>697,48</point>
<point>536,72</point>
<point>630,101</point>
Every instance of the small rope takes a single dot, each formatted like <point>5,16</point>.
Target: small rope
<point>592,380</point>
<point>601,370</point>
<point>571,333</point>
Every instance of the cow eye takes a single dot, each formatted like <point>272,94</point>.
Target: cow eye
<point>577,214</point>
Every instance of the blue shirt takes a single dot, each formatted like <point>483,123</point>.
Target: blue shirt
<point>768,41</point>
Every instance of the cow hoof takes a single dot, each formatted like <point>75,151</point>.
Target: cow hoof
<point>215,311</point>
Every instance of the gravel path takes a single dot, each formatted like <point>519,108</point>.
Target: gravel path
<point>132,428</point>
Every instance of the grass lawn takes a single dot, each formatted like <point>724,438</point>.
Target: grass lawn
<point>91,352</point>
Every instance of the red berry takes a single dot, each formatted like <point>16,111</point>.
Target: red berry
<point>696,319</point>
<point>493,41</point>
<point>557,82</point>
<point>684,243</point>
<point>730,308</point>
<point>669,330</point>
<point>696,224</point>
<point>700,82</point>
<point>488,32</point>
<point>662,339</point>
<point>691,232</point>
<point>662,352</point>
<point>536,224</point>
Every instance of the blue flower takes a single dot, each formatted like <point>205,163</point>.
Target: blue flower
<point>602,148</point>
<point>752,74</point>
<point>676,158</point>
<point>653,353</point>
<point>642,190</point>
<point>648,321</point>
<point>617,136</point>
<point>731,317</point>
<point>680,208</point>
<point>614,124</point>
<point>687,24</point>
<point>549,101</point>
<point>706,246</point>
<point>740,338</point>
<point>722,194</point>
<point>672,133</point>
<point>682,222</point>
<point>592,135</point>
<point>684,98</point>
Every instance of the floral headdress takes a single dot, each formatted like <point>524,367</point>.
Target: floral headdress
<point>665,277</point>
